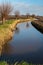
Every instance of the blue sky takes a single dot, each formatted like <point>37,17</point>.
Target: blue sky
<point>27,6</point>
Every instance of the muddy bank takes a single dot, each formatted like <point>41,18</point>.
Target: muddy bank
<point>38,25</point>
<point>7,33</point>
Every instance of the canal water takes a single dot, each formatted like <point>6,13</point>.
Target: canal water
<point>26,44</point>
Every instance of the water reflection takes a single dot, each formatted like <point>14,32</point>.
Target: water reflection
<point>27,25</point>
<point>27,45</point>
<point>8,49</point>
<point>27,40</point>
<point>17,30</point>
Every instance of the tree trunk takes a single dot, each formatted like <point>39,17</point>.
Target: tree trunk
<point>3,20</point>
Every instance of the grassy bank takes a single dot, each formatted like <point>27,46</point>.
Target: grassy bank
<point>6,31</point>
<point>16,63</point>
<point>38,25</point>
<point>3,63</point>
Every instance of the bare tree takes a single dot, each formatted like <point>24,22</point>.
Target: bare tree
<point>33,15</point>
<point>5,10</point>
<point>27,15</point>
<point>17,14</point>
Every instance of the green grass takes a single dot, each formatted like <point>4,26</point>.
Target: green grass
<point>25,63</point>
<point>16,63</point>
<point>6,24</point>
<point>9,22</point>
<point>3,63</point>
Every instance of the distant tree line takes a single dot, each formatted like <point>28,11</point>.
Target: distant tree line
<point>5,13</point>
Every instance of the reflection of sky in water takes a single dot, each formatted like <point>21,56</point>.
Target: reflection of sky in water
<point>26,40</point>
